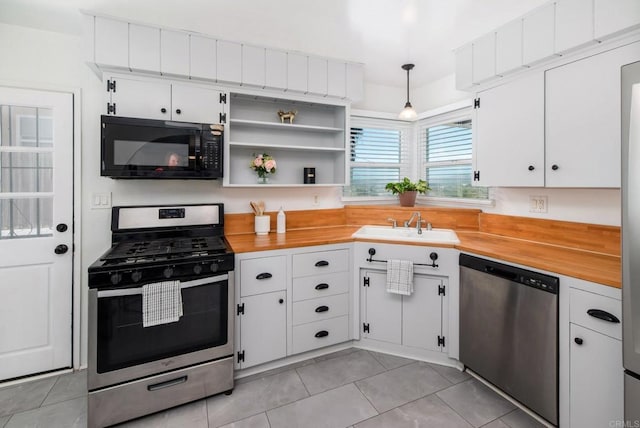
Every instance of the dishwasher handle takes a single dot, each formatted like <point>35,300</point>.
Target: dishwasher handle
<point>512,276</point>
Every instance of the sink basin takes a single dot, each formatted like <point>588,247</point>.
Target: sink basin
<point>388,233</point>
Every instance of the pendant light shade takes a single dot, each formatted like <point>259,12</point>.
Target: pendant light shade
<point>408,112</point>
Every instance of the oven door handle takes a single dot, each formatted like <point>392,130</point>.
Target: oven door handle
<point>186,284</point>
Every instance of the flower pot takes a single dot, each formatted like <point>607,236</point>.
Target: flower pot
<point>408,199</point>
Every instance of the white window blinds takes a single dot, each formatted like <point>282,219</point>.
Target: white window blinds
<point>378,155</point>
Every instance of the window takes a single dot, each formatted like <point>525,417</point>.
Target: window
<point>445,144</point>
<point>378,155</point>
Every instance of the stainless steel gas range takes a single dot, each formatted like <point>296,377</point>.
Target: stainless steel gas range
<point>136,370</point>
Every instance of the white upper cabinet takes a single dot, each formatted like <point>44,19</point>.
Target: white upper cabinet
<point>142,98</point>
<point>509,47</point>
<point>317,83</point>
<point>144,48</point>
<point>195,104</point>
<point>484,58</point>
<point>341,78</point>
<point>615,16</point>
<point>111,45</point>
<point>253,66</point>
<point>583,120</point>
<point>276,69</point>
<point>355,80</point>
<point>174,52</point>
<point>538,34</point>
<point>574,24</point>
<point>296,72</point>
<point>509,134</point>
<point>464,67</point>
<point>202,61</point>
<point>229,62</point>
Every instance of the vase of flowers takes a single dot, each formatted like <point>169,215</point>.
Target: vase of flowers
<point>263,164</point>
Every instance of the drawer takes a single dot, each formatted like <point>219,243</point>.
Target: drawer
<point>310,287</point>
<point>321,333</point>
<point>320,309</point>
<point>263,275</point>
<point>320,262</point>
<point>582,301</point>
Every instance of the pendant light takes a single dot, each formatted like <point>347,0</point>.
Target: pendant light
<point>408,113</point>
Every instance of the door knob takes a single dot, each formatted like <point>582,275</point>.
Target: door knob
<point>62,227</point>
<point>578,341</point>
<point>61,249</point>
<point>554,167</point>
<point>531,167</point>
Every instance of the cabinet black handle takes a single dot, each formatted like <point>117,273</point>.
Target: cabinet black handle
<point>531,167</point>
<point>322,308</point>
<point>554,167</point>
<point>178,111</point>
<point>322,286</point>
<point>163,110</point>
<point>322,263</point>
<point>281,301</point>
<point>603,315</point>
<point>264,275</point>
<point>322,333</point>
<point>578,341</point>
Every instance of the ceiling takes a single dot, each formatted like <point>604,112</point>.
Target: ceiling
<point>382,34</point>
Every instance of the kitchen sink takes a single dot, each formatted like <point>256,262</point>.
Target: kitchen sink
<point>407,234</point>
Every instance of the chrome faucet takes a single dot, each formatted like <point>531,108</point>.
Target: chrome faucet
<point>393,221</point>
<point>418,222</point>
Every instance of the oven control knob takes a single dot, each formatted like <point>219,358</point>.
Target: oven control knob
<point>136,276</point>
<point>214,267</point>
<point>197,269</point>
<point>168,272</point>
<point>116,278</point>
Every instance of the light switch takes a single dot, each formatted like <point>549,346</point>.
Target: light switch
<point>101,200</point>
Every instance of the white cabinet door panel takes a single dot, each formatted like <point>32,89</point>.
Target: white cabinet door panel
<point>538,34</point>
<point>296,72</point>
<point>509,134</point>
<point>355,82</point>
<point>509,47</point>
<point>422,314</point>
<point>382,311</point>
<point>142,98</point>
<point>484,58</point>
<point>464,67</point>
<point>615,16</point>
<point>263,328</point>
<point>144,48</point>
<point>263,275</point>
<point>111,42</point>
<point>574,24</point>
<point>317,76</point>
<point>229,62</point>
<point>174,53</point>
<point>276,69</point>
<point>253,66</point>
<point>195,104</point>
<point>203,57</point>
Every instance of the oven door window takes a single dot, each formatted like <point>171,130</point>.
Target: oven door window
<point>123,342</point>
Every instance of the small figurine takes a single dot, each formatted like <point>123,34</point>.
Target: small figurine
<point>287,115</point>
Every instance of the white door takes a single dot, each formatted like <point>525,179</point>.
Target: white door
<point>36,201</point>
<point>382,311</point>
<point>422,314</point>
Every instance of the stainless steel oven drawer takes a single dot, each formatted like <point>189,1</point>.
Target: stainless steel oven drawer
<point>141,397</point>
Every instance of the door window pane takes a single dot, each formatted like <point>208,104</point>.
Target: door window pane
<point>26,126</point>
<point>26,172</point>
<point>24,218</point>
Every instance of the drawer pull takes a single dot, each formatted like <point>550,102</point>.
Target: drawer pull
<point>322,308</point>
<point>167,384</point>
<point>264,275</point>
<point>322,333</point>
<point>322,286</point>
<point>603,315</point>
<point>322,263</point>
<point>578,341</point>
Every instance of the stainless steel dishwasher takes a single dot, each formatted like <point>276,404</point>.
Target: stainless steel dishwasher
<point>509,331</point>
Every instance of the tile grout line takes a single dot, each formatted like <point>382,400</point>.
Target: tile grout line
<point>367,398</point>
<point>302,382</point>
<point>447,404</point>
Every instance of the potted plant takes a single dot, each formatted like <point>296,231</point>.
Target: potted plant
<point>407,190</point>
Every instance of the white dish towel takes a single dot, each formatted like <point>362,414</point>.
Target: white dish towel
<point>161,303</point>
<point>400,277</point>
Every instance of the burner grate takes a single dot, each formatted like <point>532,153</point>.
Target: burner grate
<point>157,250</point>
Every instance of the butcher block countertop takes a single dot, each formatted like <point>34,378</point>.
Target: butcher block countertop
<point>584,251</point>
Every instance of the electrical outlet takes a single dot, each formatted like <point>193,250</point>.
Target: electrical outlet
<point>316,200</point>
<point>538,204</point>
<point>100,201</point>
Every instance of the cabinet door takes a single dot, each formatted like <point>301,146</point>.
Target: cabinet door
<point>574,24</point>
<point>174,53</point>
<point>583,120</point>
<point>144,48</point>
<point>422,314</point>
<point>143,99</point>
<point>538,29</point>
<point>263,328</point>
<point>355,81</point>
<point>509,134</point>
<point>276,69</point>
<point>509,47</point>
<point>229,62</point>
<point>484,58</point>
<point>111,42</point>
<point>317,76</point>
<point>464,67</point>
<point>612,17</point>
<point>253,65</point>
<point>382,311</point>
<point>596,379</point>
<point>296,72</point>
<point>195,104</point>
<point>203,57</point>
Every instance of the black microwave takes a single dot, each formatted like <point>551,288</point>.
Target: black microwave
<point>146,148</point>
